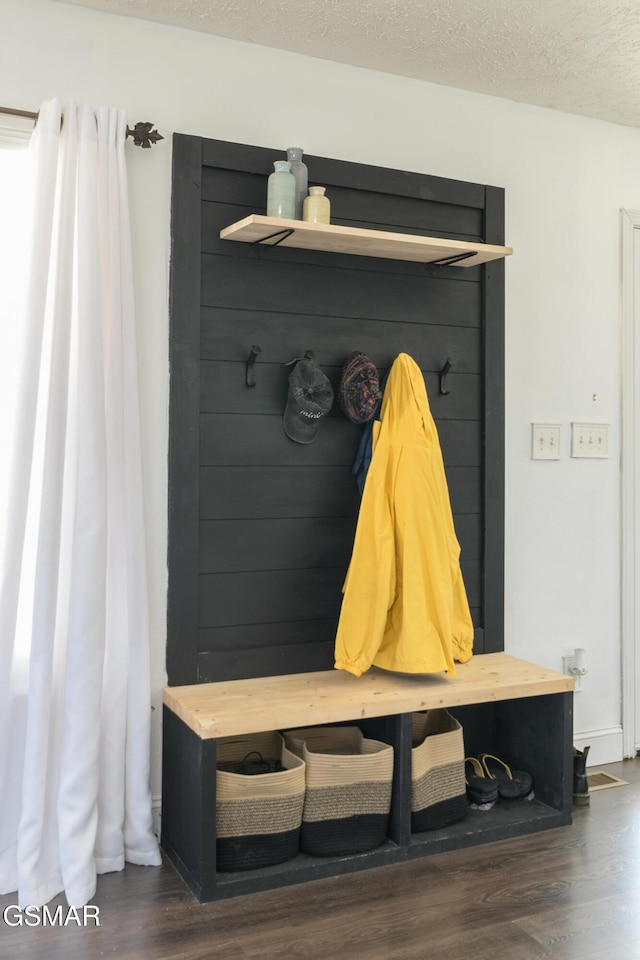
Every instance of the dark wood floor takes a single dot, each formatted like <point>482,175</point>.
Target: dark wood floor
<point>566,894</point>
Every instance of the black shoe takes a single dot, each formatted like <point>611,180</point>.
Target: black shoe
<point>512,785</point>
<point>581,796</point>
<point>480,788</point>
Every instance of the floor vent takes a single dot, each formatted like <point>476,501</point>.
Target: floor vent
<point>599,780</point>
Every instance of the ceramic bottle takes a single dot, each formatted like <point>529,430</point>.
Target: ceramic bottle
<point>281,192</point>
<point>299,171</point>
<point>317,207</point>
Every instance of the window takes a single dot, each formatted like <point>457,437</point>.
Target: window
<point>15,218</point>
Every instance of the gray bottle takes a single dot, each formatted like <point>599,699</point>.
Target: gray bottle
<point>299,170</point>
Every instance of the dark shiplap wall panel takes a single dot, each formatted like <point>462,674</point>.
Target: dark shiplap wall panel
<point>293,594</point>
<point>274,544</point>
<point>268,659</point>
<point>219,382</point>
<point>313,491</point>
<point>256,637</point>
<point>396,215</point>
<point>275,520</point>
<point>258,161</point>
<point>254,440</point>
<point>284,491</point>
<point>270,596</point>
<point>275,286</point>
<point>283,336</point>
<point>270,544</point>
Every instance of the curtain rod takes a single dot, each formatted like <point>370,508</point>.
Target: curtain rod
<point>29,114</point>
<point>143,134</point>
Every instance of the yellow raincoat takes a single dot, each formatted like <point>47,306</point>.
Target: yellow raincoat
<point>404,606</point>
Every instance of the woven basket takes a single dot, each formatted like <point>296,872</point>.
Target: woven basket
<point>438,791</point>
<point>258,818</point>
<point>348,790</point>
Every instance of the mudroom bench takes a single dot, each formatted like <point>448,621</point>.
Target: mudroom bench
<point>507,707</point>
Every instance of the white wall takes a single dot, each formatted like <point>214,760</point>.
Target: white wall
<point>566,179</point>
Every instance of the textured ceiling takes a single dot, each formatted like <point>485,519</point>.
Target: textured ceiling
<point>582,56</point>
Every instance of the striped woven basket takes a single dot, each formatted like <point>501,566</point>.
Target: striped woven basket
<point>438,790</point>
<point>348,791</point>
<point>258,818</point>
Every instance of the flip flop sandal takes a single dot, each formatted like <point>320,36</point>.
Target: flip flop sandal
<point>480,788</point>
<point>511,785</point>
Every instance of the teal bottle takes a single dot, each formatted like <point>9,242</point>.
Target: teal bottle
<point>301,174</point>
<point>281,192</point>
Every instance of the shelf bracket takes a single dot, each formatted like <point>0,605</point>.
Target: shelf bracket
<point>445,261</point>
<point>251,359</point>
<point>282,234</point>
<point>444,390</point>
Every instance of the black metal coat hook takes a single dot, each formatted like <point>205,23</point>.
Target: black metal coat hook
<point>308,355</point>
<point>443,377</point>
<point>253,356</point>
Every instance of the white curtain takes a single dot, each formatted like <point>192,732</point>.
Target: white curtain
<point>74,672</point>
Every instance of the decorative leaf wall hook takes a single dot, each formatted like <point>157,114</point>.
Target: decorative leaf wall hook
<point>144,135</point>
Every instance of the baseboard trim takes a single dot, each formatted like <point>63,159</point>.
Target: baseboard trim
<point>605,745</point>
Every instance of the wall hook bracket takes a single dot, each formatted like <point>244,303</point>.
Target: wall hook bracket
<point>444,390</point>
<point>251,359</point>
<point>308,355</point>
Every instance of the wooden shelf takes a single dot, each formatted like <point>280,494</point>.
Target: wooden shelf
<point>332,238</point>
<point>272,703</point>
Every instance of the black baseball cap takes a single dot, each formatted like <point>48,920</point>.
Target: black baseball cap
<point>310,399</point>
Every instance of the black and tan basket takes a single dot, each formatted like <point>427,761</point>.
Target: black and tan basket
<point>348,790</point>
<point>258,815</point>
<point>438,790</point>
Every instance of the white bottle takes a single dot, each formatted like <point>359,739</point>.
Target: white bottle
<point>317,207</point>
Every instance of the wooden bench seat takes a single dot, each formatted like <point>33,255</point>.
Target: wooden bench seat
<point>330,696</point>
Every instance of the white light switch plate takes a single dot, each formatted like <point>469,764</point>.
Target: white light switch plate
<point>590,440</point>
<point>545,441</point>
